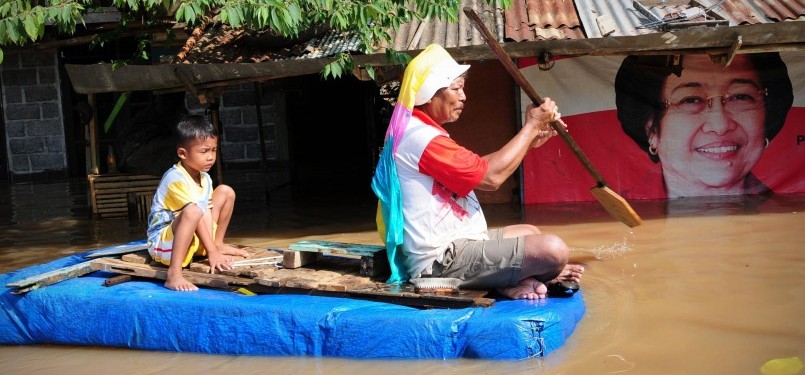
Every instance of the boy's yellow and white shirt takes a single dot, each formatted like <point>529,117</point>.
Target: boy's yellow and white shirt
<point>176,190</point>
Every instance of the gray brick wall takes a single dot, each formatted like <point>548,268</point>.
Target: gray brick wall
<point>32,111</point>
<point>238,115</point>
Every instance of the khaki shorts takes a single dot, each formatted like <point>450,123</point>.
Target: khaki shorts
<point>494,263</point>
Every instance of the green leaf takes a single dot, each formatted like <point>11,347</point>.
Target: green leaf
<point>112,115</point>
<point>295,13</point>
<point>263,16</point>
<point>1,56</point>
<point>66,13</point>
<point>234,17</point>
<point>197,8</point>
<point>53,12</point>
<point>336,68</point>
<point>189,15</point>
<point>275,21</point>
<point>370,70</point>
<point>30,26</point>
<point>4,9</point>
<point>13,35</point>
<point>40,22</point>
<point>180,13</point>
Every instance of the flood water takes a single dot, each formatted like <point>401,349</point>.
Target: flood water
<point>704,286</point>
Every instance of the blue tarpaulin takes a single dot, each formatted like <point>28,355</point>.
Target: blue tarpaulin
<point>145,315</point>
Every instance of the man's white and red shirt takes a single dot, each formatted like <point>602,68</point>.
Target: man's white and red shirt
<point>437,177</point>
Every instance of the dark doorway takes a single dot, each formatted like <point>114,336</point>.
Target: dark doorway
<point>331,126</point>
<point>77,110</point>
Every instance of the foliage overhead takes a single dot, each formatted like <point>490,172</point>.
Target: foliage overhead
<point>24,21</point>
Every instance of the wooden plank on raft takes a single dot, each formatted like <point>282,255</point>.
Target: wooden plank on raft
<point>374,261</point>
<point>331,247</point>
<point>116,280</point>
<point>48,278</point>
<point>340,277</point>
<point>329,276</point>
<point>215,281</point>
<point>296,259</point>
<point>118,250</point>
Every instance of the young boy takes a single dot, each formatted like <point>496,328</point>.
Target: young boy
<point>187,216</point>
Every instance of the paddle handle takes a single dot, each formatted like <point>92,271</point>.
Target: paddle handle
<point>532,94</point>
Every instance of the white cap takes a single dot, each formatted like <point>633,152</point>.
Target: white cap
<point>441,75</point>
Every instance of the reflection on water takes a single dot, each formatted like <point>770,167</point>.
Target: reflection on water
<point>704,286</point>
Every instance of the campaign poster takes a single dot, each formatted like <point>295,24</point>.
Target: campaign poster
<point>659,127</point>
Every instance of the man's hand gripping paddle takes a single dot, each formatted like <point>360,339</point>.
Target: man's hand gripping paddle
<point>612,202</point>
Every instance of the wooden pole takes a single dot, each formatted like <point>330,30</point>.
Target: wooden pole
<point>258,102</point>
<point>93,137</point>
<point>219,166</point>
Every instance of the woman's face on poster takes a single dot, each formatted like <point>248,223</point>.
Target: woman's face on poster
<point>712,133</point>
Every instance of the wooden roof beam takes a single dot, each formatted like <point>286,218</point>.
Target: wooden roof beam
<point>185,78</point>
<point>781,36</point>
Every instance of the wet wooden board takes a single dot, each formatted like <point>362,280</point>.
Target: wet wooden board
<point>118,250</point>
<point>215,281</point>
<point>48,278</point>
<point>329,276</point>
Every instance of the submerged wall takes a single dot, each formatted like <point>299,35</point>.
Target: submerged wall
<point>32,112</point>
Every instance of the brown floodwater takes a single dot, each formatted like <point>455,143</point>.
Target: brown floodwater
<point>704,286</point>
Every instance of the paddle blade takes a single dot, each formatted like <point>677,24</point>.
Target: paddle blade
<point>618,207</point>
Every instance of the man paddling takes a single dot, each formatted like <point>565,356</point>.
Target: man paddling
<point>429,216</point>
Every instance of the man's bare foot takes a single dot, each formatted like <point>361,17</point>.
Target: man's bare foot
<point>179,283</point>
<point>528,288</point>
<point>571,274</point>
<point>232,250</point>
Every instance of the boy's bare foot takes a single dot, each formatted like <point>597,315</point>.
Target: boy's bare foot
<point>528,288</point>
<point>232,250</point>
<point>179,283</point>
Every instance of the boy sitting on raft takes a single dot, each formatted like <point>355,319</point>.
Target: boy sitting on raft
<point>188,217</point>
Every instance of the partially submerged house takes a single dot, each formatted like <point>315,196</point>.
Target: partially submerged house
<point>273,109</point>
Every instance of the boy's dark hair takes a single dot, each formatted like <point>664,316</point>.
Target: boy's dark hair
<point>194,127</point>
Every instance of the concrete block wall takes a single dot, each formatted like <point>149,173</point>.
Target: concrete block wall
<point>238,116</point>
<point>32,112</point>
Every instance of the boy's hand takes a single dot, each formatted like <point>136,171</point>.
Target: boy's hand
<point>219,262</point>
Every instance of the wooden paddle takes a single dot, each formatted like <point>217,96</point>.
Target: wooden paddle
<point>612,202</point>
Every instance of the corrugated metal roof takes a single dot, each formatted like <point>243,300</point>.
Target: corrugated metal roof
<point>542,20</point>
<point>751,12</point>
<point>330,44</point>
<point>525,20</point>
<point>418,35</point>
<point>624,17</point>
<point>221,44</point>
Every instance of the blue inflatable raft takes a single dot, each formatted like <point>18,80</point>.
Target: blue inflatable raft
<point>145,315</point>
